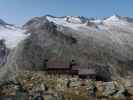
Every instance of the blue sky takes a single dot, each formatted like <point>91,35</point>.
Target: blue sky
<point>19,11</point>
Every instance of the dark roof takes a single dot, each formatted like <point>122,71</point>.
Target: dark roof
<point>57,64</point>
<point>76,67</point>
<point>87,71</point>
<point>58,67</point>
<point>63,67</point>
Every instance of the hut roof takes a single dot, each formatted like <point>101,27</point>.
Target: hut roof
<point>58,67</point>
<point>57,64</point>
<point>76,67</point>
<point>87,72</point>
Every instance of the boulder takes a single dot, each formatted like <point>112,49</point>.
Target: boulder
<point>105,89</point>
<point>129,86</point>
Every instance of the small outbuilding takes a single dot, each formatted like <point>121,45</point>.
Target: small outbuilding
<point>87,73</point>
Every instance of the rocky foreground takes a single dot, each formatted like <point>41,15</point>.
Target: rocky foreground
<point>65,87</point>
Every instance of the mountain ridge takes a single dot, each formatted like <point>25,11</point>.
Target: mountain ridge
<point>105,45</point>
<point>80,21</point>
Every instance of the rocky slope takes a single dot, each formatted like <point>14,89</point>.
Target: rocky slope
<point>105,44</point>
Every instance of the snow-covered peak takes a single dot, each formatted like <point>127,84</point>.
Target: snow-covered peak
<point>67,19</point>
<point>116,20</point>
<point>113,18</point>
<point>119,18</point>
<point>76,19</point>
<point>12,35</point>
<point>73,22</point>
